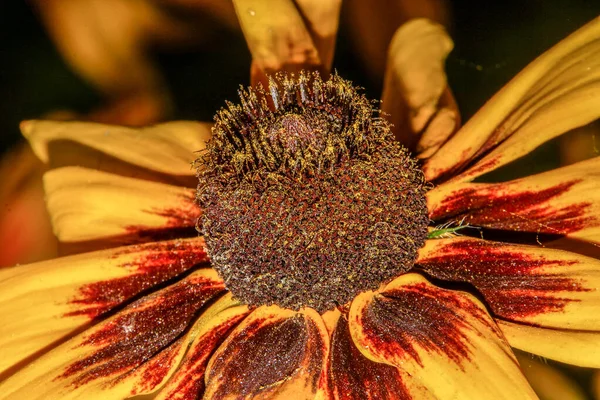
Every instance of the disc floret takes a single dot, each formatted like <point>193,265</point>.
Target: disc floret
<point>307,199</point>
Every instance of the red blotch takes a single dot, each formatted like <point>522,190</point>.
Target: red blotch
<point>510,280</point>
<point>180,222</point>
<point>260,356</point>
<point>141,331</point>
<point>265,354</point>
<point>353,376</point>
<point>157,263</point>
<point>525,211</point>
<point>190,375</point>
<point>421,316</point>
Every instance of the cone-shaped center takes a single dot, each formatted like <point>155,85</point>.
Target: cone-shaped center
<point>295,131</point>
<point>312,203</point>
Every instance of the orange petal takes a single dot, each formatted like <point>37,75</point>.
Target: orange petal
<point>87,205</point>
<point>556,93</point>
<point>534,285</point>
<point>575,347</point>
<point>415,95</point>
<point>43,303</point>
<point>274,353</point>
<point>214,325</point>
<point>442,339</point>
<point>167,148</point>
<point>564,201</point>
<point>131,353</point>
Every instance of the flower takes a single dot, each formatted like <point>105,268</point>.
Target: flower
<point>153,318</point>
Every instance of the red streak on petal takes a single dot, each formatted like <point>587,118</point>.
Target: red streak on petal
<point>157,368</point>
<point>484,167</point>
<point>450,171</point>
<point>180,222</point>
<point>420,316</point>
<point>261,355</point>
<point>467,158</point>
<point>353,376</point>
<point>157,263</point>
<point>525,211</point>
<point>511,281</point>
<point>190,375</point>
<point>265,354</point>
<point>142,330</point>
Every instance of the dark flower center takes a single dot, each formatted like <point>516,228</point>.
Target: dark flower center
<point>295,131</point>
<point>307,198</point>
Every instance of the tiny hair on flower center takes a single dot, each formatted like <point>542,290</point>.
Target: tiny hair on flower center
<point>307,198</point>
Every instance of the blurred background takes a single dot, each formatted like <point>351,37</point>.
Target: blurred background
<point>138,62</point>
<point>192,53</point>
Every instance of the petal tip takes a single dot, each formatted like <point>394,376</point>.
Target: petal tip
<point>26,127</point>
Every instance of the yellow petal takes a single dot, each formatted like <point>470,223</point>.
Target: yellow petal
<point>533,285</point>
<point>289,36</point>
<point>43,303</point>
<point>351,375</point>
<point>580,348</point>
<point>322,17</point>
<point>415,95</point>
<point>564,201</point>
<point>557,92</point>
<point>548,382</point>
<point>274,353</point>
<point>87,205</point>
<point>131,353</point>
<point>276,34</point>
<point>214,325</point>
<point>373,24</point>
<point>165,148</point>
<point>445,340</point>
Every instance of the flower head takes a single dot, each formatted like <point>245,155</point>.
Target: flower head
<point>299,187</point>
<point>311,203</point>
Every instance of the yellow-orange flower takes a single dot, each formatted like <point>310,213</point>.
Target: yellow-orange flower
<point>147,315</point>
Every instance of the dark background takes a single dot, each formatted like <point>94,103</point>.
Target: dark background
<point>493,41</point>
